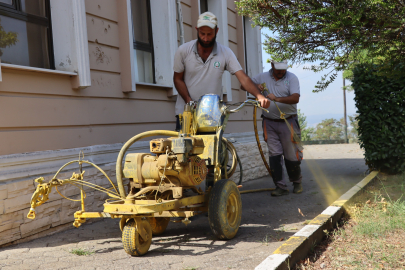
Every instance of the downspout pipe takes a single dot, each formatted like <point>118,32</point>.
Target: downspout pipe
<point>180,21</point>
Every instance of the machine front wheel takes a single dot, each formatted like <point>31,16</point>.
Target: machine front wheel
<point>225,209</point>
<point>132,241</point>
<point>158,224</point>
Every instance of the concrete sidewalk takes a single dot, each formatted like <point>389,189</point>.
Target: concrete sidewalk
<point>328,172</point>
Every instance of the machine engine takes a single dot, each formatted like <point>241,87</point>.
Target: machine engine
<point>174,161</point>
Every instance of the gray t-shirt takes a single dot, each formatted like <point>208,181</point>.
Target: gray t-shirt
<point>203,78</point>
<point>284,87</point>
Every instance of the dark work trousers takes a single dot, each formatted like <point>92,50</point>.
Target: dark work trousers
<point>283,151</point>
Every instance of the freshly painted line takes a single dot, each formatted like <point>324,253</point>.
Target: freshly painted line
<point>367,179</point>
<point>320,219</point>
<point>282,256</point>
<point>272,262</point>
<point>307,231</point>
<point>290,245</point>
<point>331,210</point>
<point>353,191</point>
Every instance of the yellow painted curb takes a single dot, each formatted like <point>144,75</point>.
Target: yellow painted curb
<point>353,191</point>
<point>290,245</point>
<point>300,243</point>
<point>319,220</point>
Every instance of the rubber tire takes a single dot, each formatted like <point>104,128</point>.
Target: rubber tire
<point>159,224</point>
<point>224,223</point>
<point>133,243</point>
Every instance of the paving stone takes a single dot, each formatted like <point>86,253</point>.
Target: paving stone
<point>15,250</point>
<point>77,259</point>
<point>56,265</point>
<point>57,253</point>
<point>10,261</point>
<point>22,267</point>
<point>180,246</point>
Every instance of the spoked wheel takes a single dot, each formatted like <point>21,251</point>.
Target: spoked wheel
<point>225,209</point>
<point>158,224</point>
<point>134,243</point>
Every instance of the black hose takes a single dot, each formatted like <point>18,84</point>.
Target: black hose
<point>240,169</point>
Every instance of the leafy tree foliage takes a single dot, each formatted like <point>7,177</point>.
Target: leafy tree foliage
<point>354,124</point>
<point>333,33</point>
<point>381,120</point>
<point>6,38</point>
<point>306,131</point>
<point>329,129</point>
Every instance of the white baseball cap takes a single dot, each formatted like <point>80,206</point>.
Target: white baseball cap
<point>207,19</point>
<point>280,65</point>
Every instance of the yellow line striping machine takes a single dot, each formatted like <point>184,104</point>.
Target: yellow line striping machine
<point>185,175</point>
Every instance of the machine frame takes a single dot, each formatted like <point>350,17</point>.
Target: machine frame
<point>140,218</point>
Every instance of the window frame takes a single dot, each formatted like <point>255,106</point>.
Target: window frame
<point>146,47</point>
<point>14,11</point>
<point>203,3</point>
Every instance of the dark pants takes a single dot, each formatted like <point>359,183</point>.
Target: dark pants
<point>283,151</point>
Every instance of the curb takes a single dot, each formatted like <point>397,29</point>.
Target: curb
<point>297,246</point>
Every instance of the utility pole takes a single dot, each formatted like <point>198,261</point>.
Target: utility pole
<point>344,106</point>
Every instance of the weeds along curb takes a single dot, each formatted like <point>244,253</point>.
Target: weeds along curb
<point>298,246</point>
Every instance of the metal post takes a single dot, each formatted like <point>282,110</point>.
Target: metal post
<point>344,106</point>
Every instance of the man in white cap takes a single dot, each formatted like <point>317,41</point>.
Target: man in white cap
<point>199,65</point>
<point>284,89</point>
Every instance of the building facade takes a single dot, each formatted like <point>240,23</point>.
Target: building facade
<point>87,75</point>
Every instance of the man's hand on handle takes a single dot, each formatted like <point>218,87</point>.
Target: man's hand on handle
<point>248,85</point>
<point>264,102</point>
<point>271,97</point>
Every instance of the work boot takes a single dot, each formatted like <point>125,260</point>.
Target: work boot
<point>279,192</point>
<point>297,188</point>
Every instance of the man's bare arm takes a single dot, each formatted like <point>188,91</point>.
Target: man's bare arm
<point>292,99</point>
<point>249,86</point>
<point>178,80</point>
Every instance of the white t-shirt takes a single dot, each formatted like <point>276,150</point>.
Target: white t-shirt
<point>284,87</point>
<point>203,78</point>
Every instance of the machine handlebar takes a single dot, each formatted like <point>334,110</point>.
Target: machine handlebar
<point>249,101</point>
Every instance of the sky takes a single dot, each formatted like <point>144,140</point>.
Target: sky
<point>318,106</point>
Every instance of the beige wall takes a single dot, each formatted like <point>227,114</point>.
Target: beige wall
<point>41,111</point>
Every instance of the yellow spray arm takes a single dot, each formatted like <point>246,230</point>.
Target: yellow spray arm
<point>41,194</point>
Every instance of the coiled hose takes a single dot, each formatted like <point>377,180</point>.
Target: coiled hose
<point>261,154</point>
<point>127,145</point>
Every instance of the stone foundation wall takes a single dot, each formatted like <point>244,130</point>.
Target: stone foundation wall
<point>252,163</point>
<point>17,174</point>
<point>57,211</point>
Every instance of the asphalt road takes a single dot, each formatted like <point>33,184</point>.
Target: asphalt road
<point>328,172</point>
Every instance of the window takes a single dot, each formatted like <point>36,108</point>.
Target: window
<point>25,27</point>
<point>143,41</point>
<point>203,6</point>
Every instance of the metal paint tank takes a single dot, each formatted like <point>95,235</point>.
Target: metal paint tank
<point>208,114</point>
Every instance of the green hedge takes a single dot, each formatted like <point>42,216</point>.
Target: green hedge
<point>380,103</point>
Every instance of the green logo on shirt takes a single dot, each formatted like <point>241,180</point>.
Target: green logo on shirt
<point>217,64</point>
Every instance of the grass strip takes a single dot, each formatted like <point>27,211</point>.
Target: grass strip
<point>372,233</point>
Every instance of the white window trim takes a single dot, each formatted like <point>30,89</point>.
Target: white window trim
<point>71,53</point>
<point>70,42</point>
<point>253,49</point>
<point>220,9</point>
<point>128,65</point>
<point>163,13</point>
<point>83,78</point>
<point>34,69</point>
